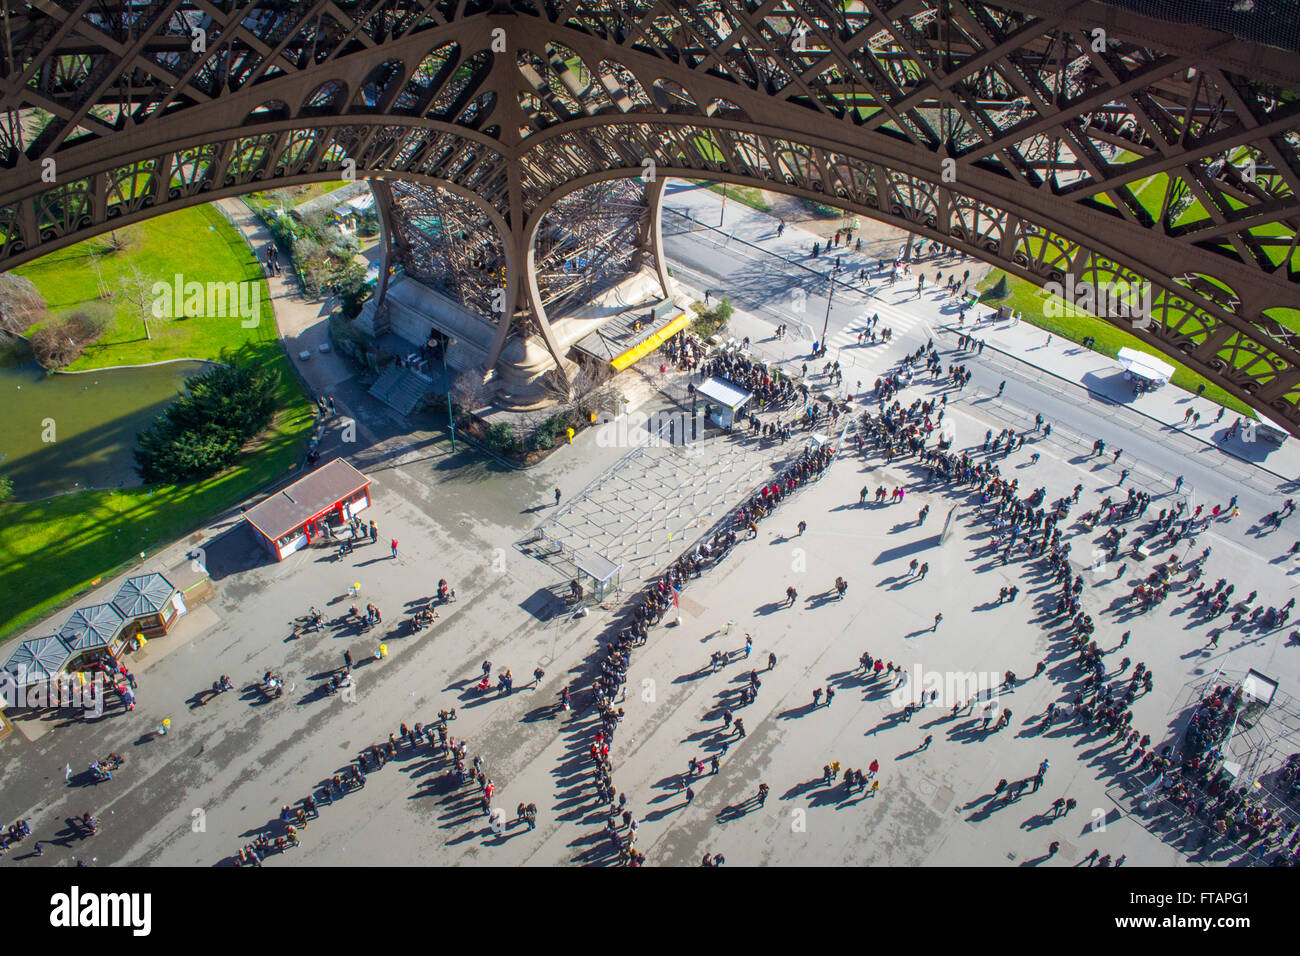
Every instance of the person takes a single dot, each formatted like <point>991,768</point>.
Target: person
<point>790,595</point>
<point>557,497</point>
<point>938,618</point>
<point>762,793</point>
<point>394,547</point>
<point>1002,387</point>
<point>802,527</point>
<point>771,660</point>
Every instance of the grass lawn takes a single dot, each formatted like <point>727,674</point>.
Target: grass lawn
<point>746,195</point>
<point>1029,299</point>
<point>199,244</point>
<point>52,550</point>
<point>300,194</point>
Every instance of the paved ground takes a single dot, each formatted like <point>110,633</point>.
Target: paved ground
<point>237,760</point>
<point>195,795</point>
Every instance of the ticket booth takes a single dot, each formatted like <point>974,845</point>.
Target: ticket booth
<point>723,400</point>
<point>149,603</point>
<point>310,508</point>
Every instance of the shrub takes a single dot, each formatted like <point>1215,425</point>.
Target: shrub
<point>57,344</point>
<point>709,321</point>
<point>6,488</point>
<point>501,438</point>
<point>822,210</point>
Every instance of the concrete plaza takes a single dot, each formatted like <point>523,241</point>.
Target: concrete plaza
<point>219,777</point>
<point>194,796</point>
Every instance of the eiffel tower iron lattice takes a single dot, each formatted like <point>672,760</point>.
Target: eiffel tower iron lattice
<point>1137,140</point>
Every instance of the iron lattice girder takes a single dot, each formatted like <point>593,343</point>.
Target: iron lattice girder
<point>862,112</point>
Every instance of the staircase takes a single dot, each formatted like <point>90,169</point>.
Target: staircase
<point>401,389</point>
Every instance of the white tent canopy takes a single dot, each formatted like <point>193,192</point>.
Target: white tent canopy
<point>1145,366</point>
<point>724,393</point>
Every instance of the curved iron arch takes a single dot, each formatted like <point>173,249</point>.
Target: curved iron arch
<point>966,59</point>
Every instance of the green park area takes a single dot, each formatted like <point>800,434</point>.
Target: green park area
<point>1076,325</point>
<point>54,548</point>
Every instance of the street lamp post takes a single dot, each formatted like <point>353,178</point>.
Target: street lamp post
<point>451,417</point>
<point>830,293</point>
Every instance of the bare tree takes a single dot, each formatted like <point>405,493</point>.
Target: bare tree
<point>115,243</point>
<point>95,255</point>
<point>21,304</point>
<point>570,392</point>
<point>56,344</point>
<point>137,291</point>
<point>468,391</point>
<point>282,199</point>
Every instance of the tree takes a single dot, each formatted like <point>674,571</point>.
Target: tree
<point>468,393</point>
<point>101,287</point>
<point>21,304</point>
<point>349,284</point>
<point>137,291</point>
<point>568,393</point>
<point>282,199</point>
<point>203,431</point>
<point>724,311</point>
<point>1000,290</point>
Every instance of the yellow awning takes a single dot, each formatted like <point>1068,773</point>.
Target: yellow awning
<point>653,342</point>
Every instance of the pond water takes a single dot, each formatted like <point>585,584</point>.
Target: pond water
<point>93,418</point>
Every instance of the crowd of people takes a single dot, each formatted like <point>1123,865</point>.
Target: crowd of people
<point>649,609</point>
<point>1195,780</point>
<point>1023,527</point>
<point>432,740</point>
